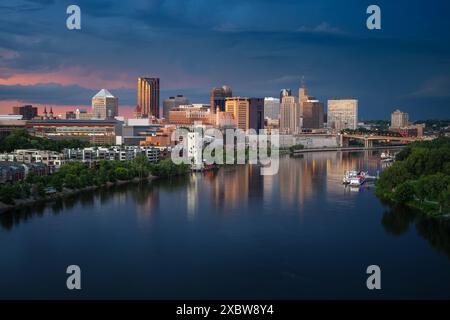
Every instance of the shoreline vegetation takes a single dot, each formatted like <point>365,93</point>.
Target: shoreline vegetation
<point>76,177</point>
<point>21,139</point>
<point>419,178</point>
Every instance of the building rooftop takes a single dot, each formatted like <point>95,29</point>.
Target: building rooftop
<point>104,94</point>
<point>71,121</point>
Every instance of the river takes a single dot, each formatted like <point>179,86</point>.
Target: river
<point>231,233</point>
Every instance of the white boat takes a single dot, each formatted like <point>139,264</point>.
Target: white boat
<point>357,181</point>
<point>386,157</point>
<point>353,176</point>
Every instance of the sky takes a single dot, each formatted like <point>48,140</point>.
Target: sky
<point>257,47</point>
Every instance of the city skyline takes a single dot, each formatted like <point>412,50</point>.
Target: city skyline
<point>401,66</point>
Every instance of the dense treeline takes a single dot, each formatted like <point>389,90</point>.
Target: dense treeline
<point>21,139</point>
<point>75,175</point>
<point>420,176</point>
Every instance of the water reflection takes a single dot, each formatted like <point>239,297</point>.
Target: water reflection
<point>436,231</point>
<point>304,185</point>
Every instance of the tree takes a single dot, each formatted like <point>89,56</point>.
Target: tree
<point>421,188</point>
<point>403,193</point>
<point>141,164</point>
<point>71,181</point>
<point>57,182</point>
<point>445,198</point>
<point>121,173</point>
<point>40,190</point>
<point>6,193</point>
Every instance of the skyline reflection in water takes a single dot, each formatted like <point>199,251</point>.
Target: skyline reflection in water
<point>229,233</point>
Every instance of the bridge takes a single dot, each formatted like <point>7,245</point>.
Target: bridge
<point>369,139</point>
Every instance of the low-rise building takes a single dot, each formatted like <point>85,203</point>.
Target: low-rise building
<point>52,159</point>
<point>14,171</point>
<point>94,131</point>
<point>95,154</point>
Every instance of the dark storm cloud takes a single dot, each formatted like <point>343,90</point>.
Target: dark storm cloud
<point>47,93</point>
<point>256,47</point>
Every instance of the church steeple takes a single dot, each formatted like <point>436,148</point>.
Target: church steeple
<point>45,113</point>
<point>51,113</point>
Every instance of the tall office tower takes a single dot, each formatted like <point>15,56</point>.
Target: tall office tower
<point>173,103</point>
<point>28,112</point>
<point>284,93</point>
<point>148,97</point>
<point>399,119</point>
<point>271,108</point>
<point>256,114</point>
<point>218,97</point>
<point>105,105</point>
<point>302,93</point>
<point>248,113</point>
<point>312,114</point>
<point>342,114</point>
<point>290,122</point>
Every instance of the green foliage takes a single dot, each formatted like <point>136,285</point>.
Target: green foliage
<point>421,172</point>
<point>21,139</point>
<point>7,193</point>
<point>403,193</point>
<point>166,168</point>
<point>76,175</point>
<point>121,173</point>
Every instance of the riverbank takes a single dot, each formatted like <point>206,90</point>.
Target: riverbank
<point>419,178</point>
<point>66,192</point>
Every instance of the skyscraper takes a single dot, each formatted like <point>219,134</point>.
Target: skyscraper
<point>311,109</point>
<point>312,114</point>
<point>105,105</point>
<point>173,103</point>
<point>218,97</point>
<point>399,119</point>
<point>248,113</point>
<point>302,93</point>
<point>271,108</point>
<point>284,93</point>
<point>342,114</point>
<point>290,115</point>
<point>148,97</point>
<point>256,113</point>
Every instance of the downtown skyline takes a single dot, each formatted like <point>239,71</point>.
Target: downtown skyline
<point>192,50</point>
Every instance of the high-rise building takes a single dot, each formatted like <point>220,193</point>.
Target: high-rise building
<point>302,94</point>
<point>105,105</point>
<point>312,114</point>
<point>271,108</point>
<point>218,97</point>
<point>248,113</point>
<point>148,97</point>
<point>342,114</point>
<point>285,93</point>
<point>311,109</point>
<point>290,120</point>
<point>173,103</point>
<point>399,119</point>
<point>256,110</point>
<point>28,112</point>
